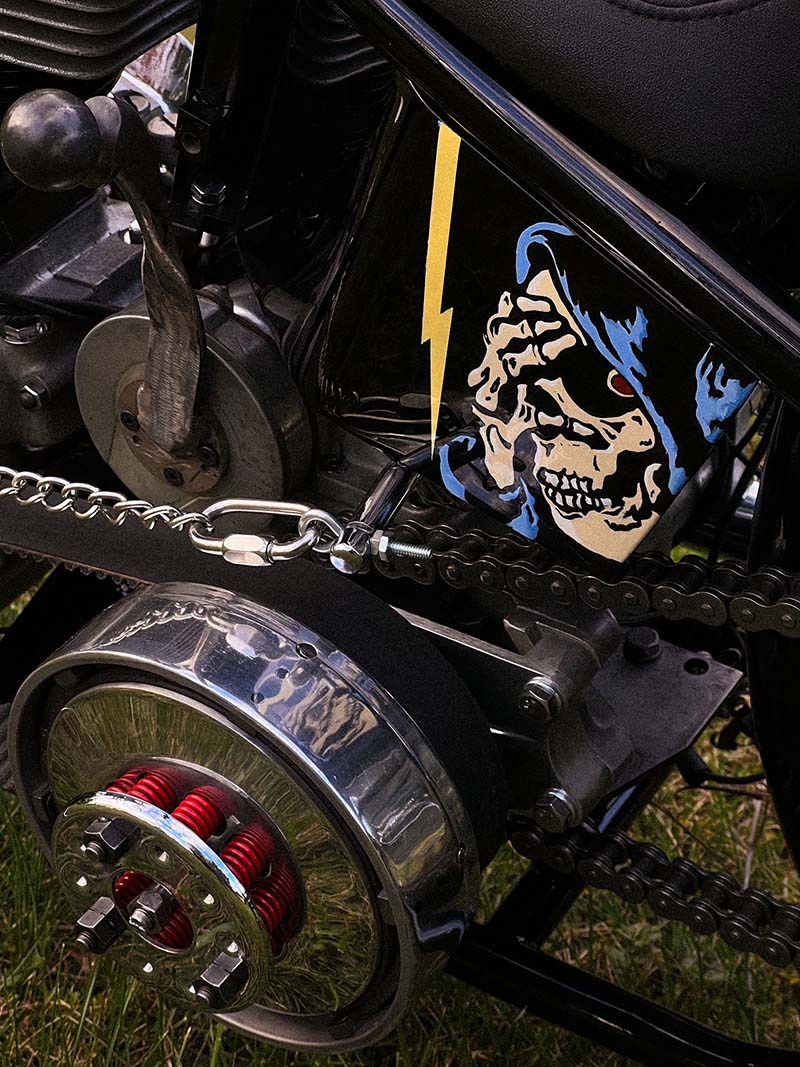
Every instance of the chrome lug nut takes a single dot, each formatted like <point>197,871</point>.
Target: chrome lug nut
<point>540,700</point>
<point>152,909</point>
<point>223,980</point>
<point>108,839</point>
<point>555,810</point>
<point>99,926</point>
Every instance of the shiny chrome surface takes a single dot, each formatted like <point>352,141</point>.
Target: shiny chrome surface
<point>376,828</point>
<point>169,853</point>
<point>105,730</point>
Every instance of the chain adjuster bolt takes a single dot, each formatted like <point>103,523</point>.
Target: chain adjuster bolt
<point>540,700</point>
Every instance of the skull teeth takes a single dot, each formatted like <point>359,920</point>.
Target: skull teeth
<point>571,492</point>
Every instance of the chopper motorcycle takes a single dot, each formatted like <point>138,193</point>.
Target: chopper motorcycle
<point>366,370</point>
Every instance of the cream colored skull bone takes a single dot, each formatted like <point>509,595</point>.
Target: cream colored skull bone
<point>573,470</point>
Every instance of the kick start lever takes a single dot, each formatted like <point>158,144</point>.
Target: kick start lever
<point>53,141</point>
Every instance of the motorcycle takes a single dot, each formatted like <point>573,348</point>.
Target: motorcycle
<point>367,369</point>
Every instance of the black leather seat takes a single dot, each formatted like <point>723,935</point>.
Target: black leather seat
<point>708,86</point>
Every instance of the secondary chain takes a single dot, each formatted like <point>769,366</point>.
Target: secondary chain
<point>679,890</point>
<point>653,584</point>
<point>713,594</point>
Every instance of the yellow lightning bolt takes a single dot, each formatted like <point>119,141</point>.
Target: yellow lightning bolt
<point>436,321</point>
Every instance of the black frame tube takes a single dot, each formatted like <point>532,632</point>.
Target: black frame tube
<point>722,301</point>
<point>596,1009</point>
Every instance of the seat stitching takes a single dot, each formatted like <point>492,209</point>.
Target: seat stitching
<point>675,14</point>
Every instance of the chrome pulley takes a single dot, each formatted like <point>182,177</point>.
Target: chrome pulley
<point>244,818</point>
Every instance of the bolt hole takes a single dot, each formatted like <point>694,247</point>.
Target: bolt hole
<point>306,651</point>
<point>191,143</point>
<point>696,666</point>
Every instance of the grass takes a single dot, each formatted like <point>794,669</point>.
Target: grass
<point>59,1009</point>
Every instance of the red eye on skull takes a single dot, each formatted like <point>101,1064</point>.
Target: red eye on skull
<point>620,385</point>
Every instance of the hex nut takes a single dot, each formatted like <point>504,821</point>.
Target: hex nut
<point>108,839</point>
<point>152,909</point>
<point>99,926</point>
<point>222,980</point>
<point>540,700</point>
<point>556,810</point>
<point>248,550</point>
<point>23,329</point>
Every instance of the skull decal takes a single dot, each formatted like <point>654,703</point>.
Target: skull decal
<point>563,414</point>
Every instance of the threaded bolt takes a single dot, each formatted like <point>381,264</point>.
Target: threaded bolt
<point>386,549</point>
<point>142,920</point>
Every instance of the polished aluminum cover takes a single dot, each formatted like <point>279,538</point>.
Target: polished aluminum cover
<point>197,677</point>
<point>86,39</point>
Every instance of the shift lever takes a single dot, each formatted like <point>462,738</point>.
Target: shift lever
<point>53,141</point>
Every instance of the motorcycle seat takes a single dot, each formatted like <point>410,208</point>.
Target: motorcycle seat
<point>711,87</point>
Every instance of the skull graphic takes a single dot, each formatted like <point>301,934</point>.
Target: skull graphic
<point>552,408</point>
<point>568,402</point>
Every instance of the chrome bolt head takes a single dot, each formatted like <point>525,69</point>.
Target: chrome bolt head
<point>222,980</point>
<point>540,700</point>
<point>556,810</point>
<point>23,329</point>
<point>209,192</point>
<point>152,909</point>
<point>99,926</point>
<point>351,553</point>
<point>33,395</point>
<point>108,839</point>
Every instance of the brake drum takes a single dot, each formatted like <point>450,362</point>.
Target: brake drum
<point>246,820</point>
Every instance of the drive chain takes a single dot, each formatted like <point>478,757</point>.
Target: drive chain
<point>713,594</point>
<point>678,890</point>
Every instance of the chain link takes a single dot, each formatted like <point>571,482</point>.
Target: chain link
<point>713,594</point>
<point>317,529</point>
<point>678,890</point>
<point>691,589</point>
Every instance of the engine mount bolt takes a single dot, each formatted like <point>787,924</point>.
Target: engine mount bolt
<point>222,981</point>
<point>33,395</point>
<point>23,329</point>
<point>152,909</point>
<point>108,839</point>
<point>642,645</point>
<point>129,421</point>
<point>540,700</point>
<point>555,810</point>
<point>173,477</point>
<point>99,926</point>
